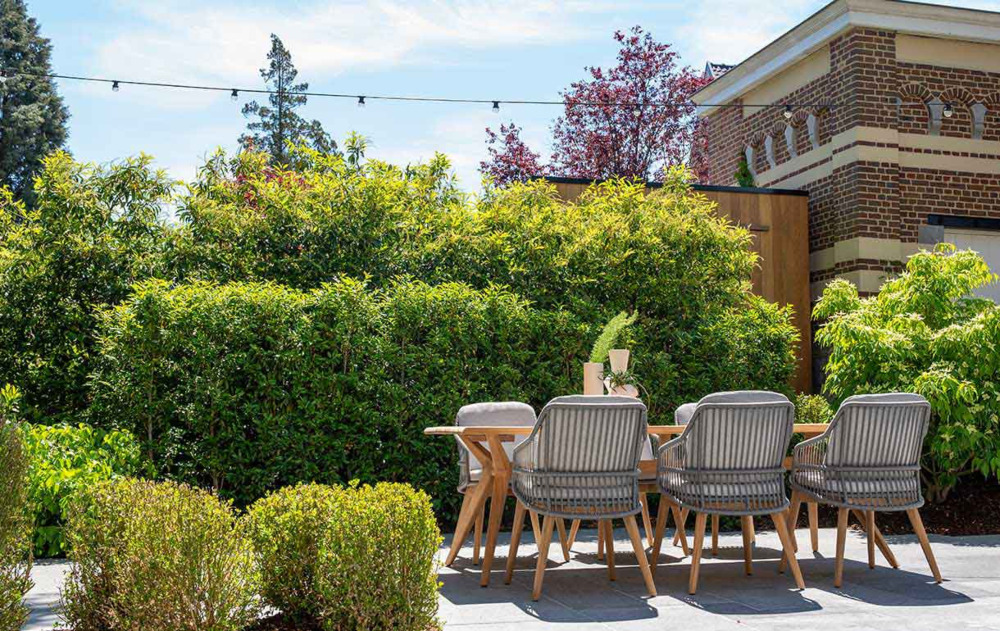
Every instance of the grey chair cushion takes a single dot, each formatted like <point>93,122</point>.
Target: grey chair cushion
<point>890,397</point>
<point>491,414</point>
<point>683,414</point>
<point>744,396</point>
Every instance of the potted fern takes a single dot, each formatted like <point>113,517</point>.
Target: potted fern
<point>619,381</point>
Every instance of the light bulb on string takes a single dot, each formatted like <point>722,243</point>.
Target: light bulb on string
<point>235,95</point>
<point>114,86</point>
<point>496,107</point>
<point>948,110</point>
<point>361,102</point>
<point>788,112</point>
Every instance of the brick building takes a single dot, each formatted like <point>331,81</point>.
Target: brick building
<point>893,129</point>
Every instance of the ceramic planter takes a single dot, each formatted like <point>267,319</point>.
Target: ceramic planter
<point>619,359</point>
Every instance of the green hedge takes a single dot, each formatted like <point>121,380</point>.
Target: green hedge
<point>249,387</point>
<point>158,556</point>
<point>348,558</point>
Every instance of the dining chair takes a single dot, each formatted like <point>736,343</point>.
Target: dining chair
<point>866,462</point>
<point>491,414</point>
<point>581,461</point>
<point>729,461</point>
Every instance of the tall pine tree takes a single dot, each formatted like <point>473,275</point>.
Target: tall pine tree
<point>32,114</point>
<point>279,124</point>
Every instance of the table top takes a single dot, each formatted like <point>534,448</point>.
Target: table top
<point>809,429</point>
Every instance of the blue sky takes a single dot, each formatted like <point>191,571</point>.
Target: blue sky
<point>490,49</point>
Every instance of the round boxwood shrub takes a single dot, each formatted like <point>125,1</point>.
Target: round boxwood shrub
<point>345,558</point>
<point>159,557</point>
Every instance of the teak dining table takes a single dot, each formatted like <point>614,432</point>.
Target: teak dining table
<point>486,444</point>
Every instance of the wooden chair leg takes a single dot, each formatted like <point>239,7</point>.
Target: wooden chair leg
<point>747,526</point>
<point>466,517</point>
<point>838,572</point>
<point>870,529</point>
<point>813,508</point>
<point>880,541</point>
<point>600,541</point>
<point>543,555</point>
<point>515,541</point>
<point>535,528</point>
<point>647,525</point>
<point>715,535</point>
<point>661,525</point>
<point>699,540</point>
<point>640,553</point>
<point>563,537</point>
<point>918,528</point>
<point>793,519</point>
<point>609,548</point>
<point>574,528</point>
<point>679,536</point>
<point>786,544</point>
<point>477,537</point>
<point>679,518</point>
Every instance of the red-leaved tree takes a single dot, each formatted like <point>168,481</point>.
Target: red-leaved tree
<point>629,120</point>
<point>510,159</point>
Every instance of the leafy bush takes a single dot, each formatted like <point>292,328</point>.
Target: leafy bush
<point>812,408</point>
<point>925,333</point>
<point>377,566</point>
<point>92,233</point>
<point>64,459</point>
<point>15,523</point>
<point>250,387</point>
<point>287,529</point>
<point>158,557</point>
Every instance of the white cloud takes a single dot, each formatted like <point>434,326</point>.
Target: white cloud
<point>190,41</point>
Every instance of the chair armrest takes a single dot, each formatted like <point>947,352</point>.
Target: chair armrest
<point>810,453</point>
<point>672,454</point>
<point>524,456</point>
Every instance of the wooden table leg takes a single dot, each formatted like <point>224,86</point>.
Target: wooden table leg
<point>501,477</point>
<point>475,499</point>
<point>880,541</point>
<point>477,536</point>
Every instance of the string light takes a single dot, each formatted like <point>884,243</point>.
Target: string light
<point>948,111</point>
<point>361,102</point>
<point>116,83</point>
<point>788,112</point>
<point>234,95</point>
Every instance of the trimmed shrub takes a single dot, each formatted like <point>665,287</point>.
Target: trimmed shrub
<point>287,529</point>
<point>813,408</point>
<point>924,332</point>
<point>92,233</point>
<point>377,567</point>
<point>15,523</point>
<point>157,556</point>
<point>64,459</point>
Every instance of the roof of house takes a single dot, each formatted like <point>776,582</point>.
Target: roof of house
<point>714,71</point>
<point>915,18</point>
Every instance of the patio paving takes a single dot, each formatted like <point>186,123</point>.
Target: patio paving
<point>577,594</point>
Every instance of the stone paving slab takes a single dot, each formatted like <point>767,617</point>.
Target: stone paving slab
<point>578,595</point>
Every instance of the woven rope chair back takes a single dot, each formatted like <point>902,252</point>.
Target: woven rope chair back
<point>726,436</point>
<point>878,430</point>
<point>590,434</point>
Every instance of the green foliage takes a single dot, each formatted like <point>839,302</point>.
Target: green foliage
<point>160,557</point>
<point>924,333</point>
<point>278,126</point>
<point>32,114</point>
<point>744,177</point>
<point>377,568</point>
<point>250,387</point>
<point>65,459</point>
<point>348,558</point>
<point>15,522</point>
<point>287,529</point>
<point>812,408</point>
<point>92,233</point>
<point>609,336</point>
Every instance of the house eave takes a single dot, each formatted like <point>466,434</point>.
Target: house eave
<point>836,18</point>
